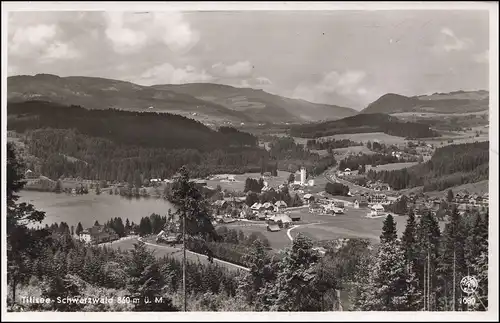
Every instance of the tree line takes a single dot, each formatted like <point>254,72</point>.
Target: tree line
<point>329,144</point>
<point>422,269</point>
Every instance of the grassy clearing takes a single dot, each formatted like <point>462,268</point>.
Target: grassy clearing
<point>394,166</point>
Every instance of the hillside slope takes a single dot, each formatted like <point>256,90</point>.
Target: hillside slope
<point>260,104</point>
<point>363,123</point>
<point>100,93</point>
<point>453,102</point>
<point>203,102</point>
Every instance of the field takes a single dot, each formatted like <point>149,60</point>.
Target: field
<point>461,137</point>
<point>394,166</point>
<point>239,184</point>
<point>353,224</point>
<point>370,136</point>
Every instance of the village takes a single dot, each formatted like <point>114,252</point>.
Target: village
<point>269,214</point>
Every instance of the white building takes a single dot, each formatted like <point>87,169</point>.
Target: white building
<point>303,176</point>
<point>377,210</point>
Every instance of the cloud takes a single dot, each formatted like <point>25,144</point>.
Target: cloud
<point>449,42</point>
<point>130,33</point>
<point>240,69</point>
<point>29,40</point>
<point>60,50</point>
<point>41,41</point>
<point>342,83</point>
<point>342,88</point>
<point>168,74</point>
<point>482,58</point>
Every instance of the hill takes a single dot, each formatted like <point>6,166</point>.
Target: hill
<point>453,102</point>
<point>115,145</point>
<point>259,104</point>
<point>203,102</point>
<point>363,123</point>
<point>101,93</point>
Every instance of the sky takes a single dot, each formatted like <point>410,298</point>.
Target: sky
<point>347,58</point>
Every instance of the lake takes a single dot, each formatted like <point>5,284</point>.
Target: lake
<point>90,207</point>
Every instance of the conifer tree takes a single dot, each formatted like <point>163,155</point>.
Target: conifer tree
<point>294,288</point>
<point>261,270</point>
<point>79,228</point>
<point>428,237</point>
<point>452,265</point>
<point>20,242</point>
<point>146,282</point>
<point>389,233</point>
<point>449,196</point>
<point>193,214</point>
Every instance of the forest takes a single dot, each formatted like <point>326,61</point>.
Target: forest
<point>70,141</point>
<point>421,270</point>
<point>291,156</point>
<point>329,144</point>
<point>143,129</point>
<point>68,153</point>
<point>450,166</point>
<point>363,123</point>
<point>336,189</point>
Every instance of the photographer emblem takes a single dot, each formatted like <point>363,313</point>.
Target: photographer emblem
<point>469,284</point>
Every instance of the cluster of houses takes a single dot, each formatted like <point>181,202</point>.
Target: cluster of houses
<point>325,206</point>
<point>345,172</point>
<point>471,199</point>
<point>262,210</point>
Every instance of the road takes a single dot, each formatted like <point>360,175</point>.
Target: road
<point>163,250</point>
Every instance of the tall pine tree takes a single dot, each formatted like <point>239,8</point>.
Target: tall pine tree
<point>428,237</point>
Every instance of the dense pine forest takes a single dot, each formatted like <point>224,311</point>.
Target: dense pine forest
<point>418,269</point>
<point>363,123</point>
<point>70,141</point>
<point>449,166</point>
<point>119,145</point>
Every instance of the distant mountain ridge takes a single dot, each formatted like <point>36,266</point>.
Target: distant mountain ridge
<point>453,102</point>
<point>256,102</point>
<point>200,101</point>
